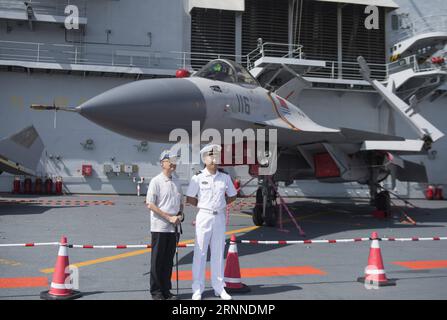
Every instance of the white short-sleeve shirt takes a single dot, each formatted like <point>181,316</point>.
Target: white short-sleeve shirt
<point>166,194</point>
<point>210,190</point>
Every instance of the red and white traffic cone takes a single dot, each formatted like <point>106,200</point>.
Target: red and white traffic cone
<point>233,282</point>
<point>375,272</point>
<point>61,288</point>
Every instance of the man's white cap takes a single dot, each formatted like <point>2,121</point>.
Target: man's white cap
<point>210,149</point>
<point>167,154</point>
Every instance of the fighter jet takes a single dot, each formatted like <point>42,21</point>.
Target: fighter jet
<point>224,95</point>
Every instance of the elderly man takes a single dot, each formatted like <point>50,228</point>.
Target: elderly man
<point>211,191</point>
<point>164,199</point>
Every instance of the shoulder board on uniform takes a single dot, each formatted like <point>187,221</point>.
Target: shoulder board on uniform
<point>198,172</point>
<point>222,171</point>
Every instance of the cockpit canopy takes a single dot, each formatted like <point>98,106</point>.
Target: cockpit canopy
<point>226,71</point>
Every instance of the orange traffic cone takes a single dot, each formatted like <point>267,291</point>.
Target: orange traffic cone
<point>60,288</point>
<point>375,272</point>
<point>233,283</point>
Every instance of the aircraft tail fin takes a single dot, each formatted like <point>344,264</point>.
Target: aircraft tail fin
<point>20,152</point>
<point>426,131</point>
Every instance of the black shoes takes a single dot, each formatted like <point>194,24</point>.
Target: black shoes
<point>170,296</point>
<point>158,297</point>
<point>164,296</point>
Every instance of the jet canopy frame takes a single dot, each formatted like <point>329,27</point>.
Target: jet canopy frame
<point>226,71</point>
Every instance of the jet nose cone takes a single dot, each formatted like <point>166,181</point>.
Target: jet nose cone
<point>147,109</point>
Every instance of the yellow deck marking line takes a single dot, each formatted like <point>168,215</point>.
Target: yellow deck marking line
<point>240,215</point>
<point>8,262</point>
<point>138,252</point>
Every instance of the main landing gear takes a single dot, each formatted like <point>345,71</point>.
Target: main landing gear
<point>381,200</point>
<point>266,208</point>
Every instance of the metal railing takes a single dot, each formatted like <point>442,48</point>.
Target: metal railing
<point>347,71</point>
<point>434,23</point>
<point>87,54</point>
<point>332,70</point>
<point>50,7</point>
<point>136,57</point>
<point>273,49</point>
<point>416,65</point>
<point>123,56</point>
<point>196,60</point>
<point>106,55</point>
<point>270,49</point>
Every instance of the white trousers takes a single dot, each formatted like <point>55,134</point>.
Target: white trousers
<point>210,231</point>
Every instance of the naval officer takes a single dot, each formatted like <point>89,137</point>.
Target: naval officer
<point>210,190</point>
<point>164,199</point>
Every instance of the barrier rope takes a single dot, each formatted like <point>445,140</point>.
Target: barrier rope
<point>30,244</point>
<point>123,246</point>
<point>267,242</point>
<point>285,242</point>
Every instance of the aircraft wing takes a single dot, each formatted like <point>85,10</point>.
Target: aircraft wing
<point>406,147</point>
<point>20,153</point>
<point>366,140</point>
<point>359,136</point>
<point>308,133</point>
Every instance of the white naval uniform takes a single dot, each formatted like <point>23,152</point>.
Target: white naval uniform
<point>210,190</point>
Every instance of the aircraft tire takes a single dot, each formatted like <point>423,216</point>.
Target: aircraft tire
<point>270,215</point>
<point>257,210</point>
<point>383,201</point>
<point>257,216</point>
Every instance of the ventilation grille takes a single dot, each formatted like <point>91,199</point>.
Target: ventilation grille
<point>318,30</point>
<point>212,31</point>
<point>359,41</point>
<point>266,19</point>
<point>315,28</point>
<point>318,35</point>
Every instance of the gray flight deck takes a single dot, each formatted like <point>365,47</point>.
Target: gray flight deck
<point>123,274</point>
